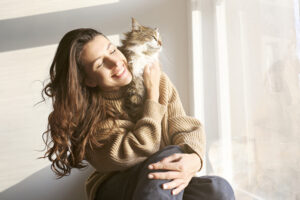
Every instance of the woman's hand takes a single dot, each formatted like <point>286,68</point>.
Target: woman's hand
<point>181,168</point>
<point>151,80</point>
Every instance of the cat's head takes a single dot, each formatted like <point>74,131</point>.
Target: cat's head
<point>142,36</point>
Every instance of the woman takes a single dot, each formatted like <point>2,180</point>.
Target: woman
<point>154,158</point>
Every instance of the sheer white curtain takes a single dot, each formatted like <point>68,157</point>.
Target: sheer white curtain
<point>246,54</point>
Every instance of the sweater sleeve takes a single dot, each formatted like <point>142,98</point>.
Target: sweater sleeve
<point>130,143</point>
<point>184,131</point>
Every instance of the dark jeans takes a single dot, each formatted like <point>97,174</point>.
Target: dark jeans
<point>134,184</point>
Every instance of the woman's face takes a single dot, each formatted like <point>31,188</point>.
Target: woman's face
<point>105,66</point>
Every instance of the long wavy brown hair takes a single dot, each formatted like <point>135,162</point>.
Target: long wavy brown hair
<point>76,108</point>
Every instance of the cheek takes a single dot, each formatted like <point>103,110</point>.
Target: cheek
<point>104,78</point>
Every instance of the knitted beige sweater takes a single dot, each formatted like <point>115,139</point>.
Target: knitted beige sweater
<point>164,123</point>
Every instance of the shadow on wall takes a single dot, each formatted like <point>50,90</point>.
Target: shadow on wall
<point>37,186</point>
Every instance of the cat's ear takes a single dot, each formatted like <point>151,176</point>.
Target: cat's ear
<point>135,25</point>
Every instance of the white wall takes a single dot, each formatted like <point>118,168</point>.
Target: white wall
<point>28,39</point>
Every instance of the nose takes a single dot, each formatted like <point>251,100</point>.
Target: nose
<point>113,62</point>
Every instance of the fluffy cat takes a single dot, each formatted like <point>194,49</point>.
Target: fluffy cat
<point>141,47</point>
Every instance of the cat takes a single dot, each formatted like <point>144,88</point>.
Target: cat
<point>141,46</point>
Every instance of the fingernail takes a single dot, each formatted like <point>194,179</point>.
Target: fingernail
<point>150,166</point>
<point>164,186</point>
<point>150,176</point>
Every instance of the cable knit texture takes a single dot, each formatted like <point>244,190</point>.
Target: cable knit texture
<point>164,123</point>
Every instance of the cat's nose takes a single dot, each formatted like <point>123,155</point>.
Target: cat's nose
<point>159,42</point>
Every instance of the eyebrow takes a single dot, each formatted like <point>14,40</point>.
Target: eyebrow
<point>109,44</point>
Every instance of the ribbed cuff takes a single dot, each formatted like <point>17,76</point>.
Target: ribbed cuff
<point>154,110</point>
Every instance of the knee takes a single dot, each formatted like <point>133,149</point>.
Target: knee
<point>151,188</point>
<point>165,152</point>
<point>221,189</point>
<point>156,157</point>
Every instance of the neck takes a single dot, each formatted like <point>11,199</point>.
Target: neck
<point>113,94</point>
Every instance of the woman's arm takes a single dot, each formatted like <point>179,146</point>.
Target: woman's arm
<point>185,131</point>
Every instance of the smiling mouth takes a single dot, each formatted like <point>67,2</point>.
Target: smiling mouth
<point>120,72</point>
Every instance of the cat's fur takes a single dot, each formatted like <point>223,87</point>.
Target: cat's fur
<point>141,47</point>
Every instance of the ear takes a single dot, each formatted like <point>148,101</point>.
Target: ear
<point>135,25</point>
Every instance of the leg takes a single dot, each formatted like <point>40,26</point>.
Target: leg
<point>149,189</point>
<point>208,188</point>
<point>118,185</point>
<point>134,184</point>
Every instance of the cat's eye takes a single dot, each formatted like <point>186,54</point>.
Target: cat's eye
<point>154,37</point>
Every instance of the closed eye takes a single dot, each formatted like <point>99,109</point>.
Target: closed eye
<point>113,51</point>
<point>154,38</point>
<point>100,65</point>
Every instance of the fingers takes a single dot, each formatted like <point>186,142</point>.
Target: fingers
<point>146,71</point>
<point>179,189</point>
<point>151,81</point>
<point>172,158</point>
<point>165,175</point>
<point>153,68</point>
<point>172,184</point>
<point>167,166</point>
<point>169,163</point>
<point>176,186</point>
<point>179,168</point>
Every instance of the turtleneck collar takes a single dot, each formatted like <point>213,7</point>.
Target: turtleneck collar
<point>113,95</point>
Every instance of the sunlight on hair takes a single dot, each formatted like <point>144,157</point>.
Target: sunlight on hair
<point>22,8</point>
